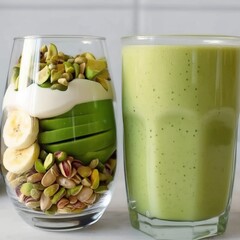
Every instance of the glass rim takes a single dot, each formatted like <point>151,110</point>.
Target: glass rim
<point>181,39</point>
<point>60,36</point>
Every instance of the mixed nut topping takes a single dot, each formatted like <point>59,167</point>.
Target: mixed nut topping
<point>58,183</point>
<point>57,69</point>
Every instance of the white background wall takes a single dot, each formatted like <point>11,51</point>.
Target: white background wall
<point>114,19</point>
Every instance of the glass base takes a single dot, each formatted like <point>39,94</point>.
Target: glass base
<point>63,222</point>
<point>179,230</point>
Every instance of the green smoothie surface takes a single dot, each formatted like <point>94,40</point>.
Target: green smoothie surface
<point>180,114</point>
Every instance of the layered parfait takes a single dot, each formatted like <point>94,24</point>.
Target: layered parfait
<point>59,132</point>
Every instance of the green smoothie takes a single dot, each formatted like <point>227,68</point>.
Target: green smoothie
<point>180,115</point>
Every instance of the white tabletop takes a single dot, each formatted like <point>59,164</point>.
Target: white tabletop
<point>114,224</point>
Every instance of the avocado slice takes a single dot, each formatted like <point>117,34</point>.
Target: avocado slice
<point>77,148</point>
<point>89,107</point>
<point>73,132</point>
<point>56,123</point>
<point>103,155</point>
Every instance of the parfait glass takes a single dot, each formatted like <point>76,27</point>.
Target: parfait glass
<point>58,144</point>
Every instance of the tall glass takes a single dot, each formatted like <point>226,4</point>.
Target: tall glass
<point>58,131</point>
<point>180,97</point>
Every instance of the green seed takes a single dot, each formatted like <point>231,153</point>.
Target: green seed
<point>51,190</point>
<point>94,163</point>
<point>43,75</point>
<point>39,166</point>
<point>74,191</point>
<point>95,179</point>
<point>68,67</point>
<point>84,171</point>
<point>55,75</point>
<point>60,194</point>
<point>35,194</point>
<point>49,161</point>
<point>26,189</point>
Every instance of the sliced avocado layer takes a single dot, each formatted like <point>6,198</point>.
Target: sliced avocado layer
<point>86,132</point>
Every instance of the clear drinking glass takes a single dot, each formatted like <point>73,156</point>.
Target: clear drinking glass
<point>58,131</point>
<point>180,97</point>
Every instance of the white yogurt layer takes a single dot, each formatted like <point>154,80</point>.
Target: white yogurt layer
<point>44,102</point>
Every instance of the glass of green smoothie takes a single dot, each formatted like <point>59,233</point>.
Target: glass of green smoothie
<point>58,143</point>
<point>180,100</point>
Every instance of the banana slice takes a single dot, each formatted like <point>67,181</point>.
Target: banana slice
<point>20,161</point>
<point>20,130</point>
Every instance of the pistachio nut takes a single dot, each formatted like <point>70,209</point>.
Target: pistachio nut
<point>76,178</point>
<point>35,194</point>
<point>88,56</point>
<point>38,186</point>
<point>43,75</point>
<point>81,76</point>
<point>68,67</point>
<point>60,156</point>
<point>33,204</point>
<point>86,182</point>
<point>59,195</point>
<point>94,163</point>
<point>26,189</point>
<point>48,179</point>
<point>54,170</point>
<point>51,190</point>
<point>67,76</point>
<point>95,179</point>
<point>72,199</point>
<point>55,75</point>
<point>84,171</point>
<point>63,81</point>
<point>85,194</point>
<point>66,168</point>
<point>45,202</point>
<point>52,210</point>
<point>18,181</point>
<point>62,203</point>
<point>74,191</point>
<point>92,199</point>
<point>49,161</point>
<point>52,51</point>
<point>65,182</point>
<point>76,69</point>
<point>34,178</point>
<point>39,166</point>
<point>80,59</point>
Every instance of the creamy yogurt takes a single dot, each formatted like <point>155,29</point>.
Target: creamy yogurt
<point>45,103</point>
